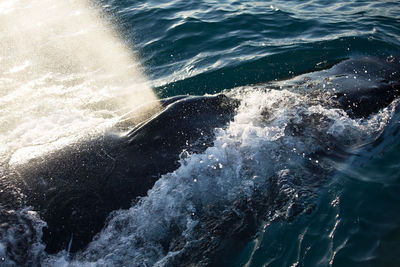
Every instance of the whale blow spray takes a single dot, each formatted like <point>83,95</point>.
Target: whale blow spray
<point>63,70</point>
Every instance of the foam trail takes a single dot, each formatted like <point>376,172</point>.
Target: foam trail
<point>63,70</point>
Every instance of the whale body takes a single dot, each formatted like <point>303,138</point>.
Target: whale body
<point>74,189</point>
<point>359,86</point>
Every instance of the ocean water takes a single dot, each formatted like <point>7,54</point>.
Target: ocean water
<point>71,68</point>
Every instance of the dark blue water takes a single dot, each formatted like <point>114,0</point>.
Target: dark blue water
<point>199,47</point>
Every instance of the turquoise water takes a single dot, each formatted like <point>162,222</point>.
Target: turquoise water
<point>199,47</point>
<point>356,223</point>
<point>205,46</point>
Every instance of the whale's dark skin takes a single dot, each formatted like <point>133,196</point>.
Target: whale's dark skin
<point>360,86</point>
<point>75,189</point>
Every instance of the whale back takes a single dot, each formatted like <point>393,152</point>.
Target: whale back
<point>360,86</point>
<point>75,188</point>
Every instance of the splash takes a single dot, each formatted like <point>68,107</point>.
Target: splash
<point>63,71</point>
<point>264,165</point>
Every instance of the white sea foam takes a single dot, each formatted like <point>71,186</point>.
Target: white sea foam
<point>274,134</point>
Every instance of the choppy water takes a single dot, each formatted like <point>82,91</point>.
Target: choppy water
<point>199,47</point>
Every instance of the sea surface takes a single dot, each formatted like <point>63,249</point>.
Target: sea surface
<point>58,82</point>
